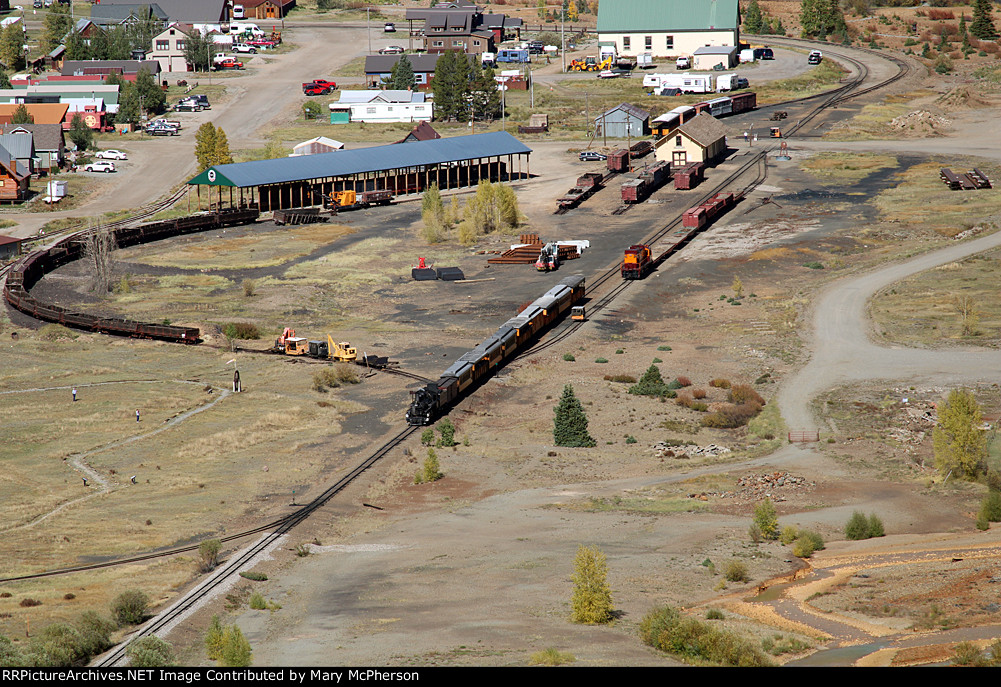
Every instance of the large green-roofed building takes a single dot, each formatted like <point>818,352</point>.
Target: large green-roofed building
<point>668,28</point>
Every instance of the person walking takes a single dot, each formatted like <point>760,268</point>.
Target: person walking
<point>74,394</point>
<point>137,415</point>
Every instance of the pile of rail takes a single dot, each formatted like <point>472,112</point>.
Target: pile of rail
<point>969,181</point>
<point>587,186</point>
<point>527,252</point>
<point>30,269</point>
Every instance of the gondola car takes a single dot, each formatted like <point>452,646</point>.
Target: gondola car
<point>430,401</point>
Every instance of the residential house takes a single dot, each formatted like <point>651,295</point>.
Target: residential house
<point>42,113</point>
<point>106,15</point>
<point>168,48</point>
<point>381,107</point>
<point>623,121</point>
<point>315,146</point>
<point>48,141</point>
<point>700,139</point>
<point>21,147</point>
<point>460,27</point>
<point>378,68</point>
<point>14,179</point>
<point>266,9</point>
<point>421,132</point>
<point>187,11</point>
<point>668,28</point>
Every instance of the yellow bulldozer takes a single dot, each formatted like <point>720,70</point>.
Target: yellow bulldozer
<point>341,351</point>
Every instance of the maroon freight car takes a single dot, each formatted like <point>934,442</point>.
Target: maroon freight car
<point>689,176</point>
<point>619,161</point>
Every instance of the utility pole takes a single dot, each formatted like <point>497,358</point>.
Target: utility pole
<point>563,40</point>
<point>368,27</point>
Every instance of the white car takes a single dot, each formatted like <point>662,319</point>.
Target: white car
<point>241,47</point>
<point>101,166</point>
<point>111,155</point>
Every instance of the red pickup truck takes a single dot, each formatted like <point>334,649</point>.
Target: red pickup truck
<point>319,87</point>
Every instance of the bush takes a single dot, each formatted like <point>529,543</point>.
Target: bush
<point>720,383</point>
<point>621,379</point>
<point>803,548</point>
<point>213,639</point>
<point>683,381</point>
<point>241,330</point>
<point>130,607</point>
<point>94,633</point>
<point>663,348</point>
<point>789,535</point>
<point>427,436</point>
<point>569,357</point>
<point>257,602</point>
<point>28,602</point>
<point>982,523</point>
<point>990,507</point>
<point>208,555</point>
<point>150,652</point>
<point>767,520</point>
<point>857,527</point>
<point>255,576</point>
<point>731,416</point>
<point>235,652</point>
<point>736,571</point>
<point>692,640</point>
<point>447,430</point>
<point>431,471</point>
<point>591,601</point>
<point>334,376</point>
<point>714,614</point>
<point>814,265</point>
<point>551,657</point>
<point>601,360</point>
<point>876,526</point>
<point>743,393</point>
<point>58,645</point>
<point>698,393</point>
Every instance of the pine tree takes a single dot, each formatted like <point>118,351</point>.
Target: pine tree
<point>591,601</point>
<point>570,423</point>
<point>443,87</point>
<point>129,111</point>
<point>834,18</point>
<point>982,25</point>
<point>76,48</point>
<point>810,17</point>
<point>753,19</point>
<point>81,134</point>
<point>650,384</point>
<point>20,115</point>
<point>205,146</point>
<point>12,46</point>
<point>151,96</point>
<point>959,441</point>
<point>57,23</point>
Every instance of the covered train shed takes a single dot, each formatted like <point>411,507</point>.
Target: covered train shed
<point>402,168</point>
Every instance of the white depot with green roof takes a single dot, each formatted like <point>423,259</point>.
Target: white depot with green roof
<point>668,28</point>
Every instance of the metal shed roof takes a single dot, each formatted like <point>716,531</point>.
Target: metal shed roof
<point>635,16</point>
<point>348,162</point>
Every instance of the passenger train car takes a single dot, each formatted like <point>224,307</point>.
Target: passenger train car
<point>431,401</point>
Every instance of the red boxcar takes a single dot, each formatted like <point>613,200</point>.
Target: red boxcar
<point>619,161</point>
<point>689,176</point>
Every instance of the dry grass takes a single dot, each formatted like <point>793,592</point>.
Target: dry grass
<point>921,200</point>
<point>846,168</point>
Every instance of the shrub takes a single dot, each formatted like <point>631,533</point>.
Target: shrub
<point>58,645</point>
<point>663,348</point>
<point>28,602</point>
<point>736,571</point>
<point>692,640</point>
<point>630,439</point>
<point>622,379</point>
<point>788,535</point>
<point>601,360</point>
<point>150,652</point>
<point>208,554</point>
<point>213,639</point>
<point>551,657</point>
<point>241,330</point>
<point>427,436</point>
<point>569,357</point>
<point>876,526</point>
<point>814,265</point>
<point>967,654</point>
<point>257,602</point>
<point>10,655</point>
<point>698,393</point>
<point>591,601</point>
<point>991,506</point>
<point>619,351</point>
<point>803,548</point>
<point>235,651</point>
<point>252,575</point>
<point>447,430</point>
<point>334,376</point>
<point>249,287</point>
<point>94,633</point>
<point>857,526</point>
<point>720,383</point>
<point>767,519</point>
<point>54,332</point>
<point>683,381</point>
<point>982,522</point>
<point>754,533</point>
<point>731,416</point>
<point>743,393</point>
<point>714,614</point>
<point>130,607</point>
<point>431,471</point>
<point>303,550</point>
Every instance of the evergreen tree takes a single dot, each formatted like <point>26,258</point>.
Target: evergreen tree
<point>486,99</point>
<point>81,134</point>
<point>205,146</point>
<point>753,19</point>
<point>964,35</point>
<point>834,18</point>
<point>198,51</point>
<point>76,47</point>
<point>443,87</point>
<point>650,384</point>
<point>570,423</point>
<point>129,111</point>
<point>4,79</point>
<point>982,25</point>
<point>21,115</point>
<point>591,601</point>
<point>119,43</point>
<point>100,44</point>
<point>402,77</point>
<point>960,443</point>
<point>213,639</point>
<point>811,17</point>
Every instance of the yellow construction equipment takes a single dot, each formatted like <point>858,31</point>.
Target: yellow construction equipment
<point>296,345</point>
<point>341,351</point>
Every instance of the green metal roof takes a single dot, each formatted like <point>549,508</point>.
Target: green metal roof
<point>637,16</point>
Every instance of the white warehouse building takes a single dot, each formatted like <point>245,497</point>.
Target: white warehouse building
<point>668,28</point>
<point>381,106</point>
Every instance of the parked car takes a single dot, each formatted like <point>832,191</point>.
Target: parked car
<point>815,57</point>
<point>315,89</point>
<point>764,54</point>
<point>683,63</point>
<point>37,4</point>
<point>161,130</point>
<point>392,50</point>
<point>390,27</point>
<point>188,106</point>
<point>325,84</point>
<point>199,98</point>
<point>262,43</point>
<point>591,156</point>
<point>243,47</point>
<point>111,155</point>
<point>608,74</point>
<point>100,166</point>
<point>228,63</point>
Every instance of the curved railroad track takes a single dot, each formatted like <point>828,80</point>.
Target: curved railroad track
<point>277,528</point>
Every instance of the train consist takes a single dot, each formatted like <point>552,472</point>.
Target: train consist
<point>40,262</point>
<point>431,401</point>
<point>702,215</point>
<point>728,105</point>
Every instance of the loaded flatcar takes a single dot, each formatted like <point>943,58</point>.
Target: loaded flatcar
<point>432,400</point>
